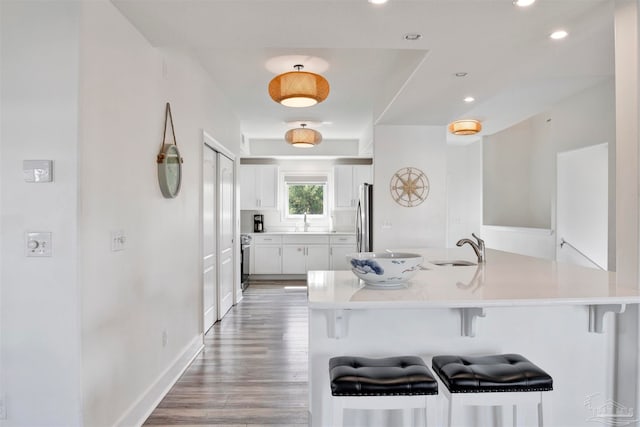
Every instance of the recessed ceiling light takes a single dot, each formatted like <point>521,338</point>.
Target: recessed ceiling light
<point>377,1</point>
<point>523,3</point>
<point>469,99</point>
<point>412,36</point>
<point>558,35</point>
<point>461,74</point>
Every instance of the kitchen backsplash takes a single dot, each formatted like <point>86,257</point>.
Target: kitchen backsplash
<point>341,220</point>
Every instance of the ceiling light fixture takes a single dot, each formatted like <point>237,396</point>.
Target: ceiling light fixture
<point>469,99</point>
<point>465,127</point>
<point>377,1</point>
<point>299,88</point>
<point>303,137</point>
<point>558,35</point>
<point>523,3</point>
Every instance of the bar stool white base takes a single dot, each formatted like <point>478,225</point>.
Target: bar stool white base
<point>407,403</point>
<point>537,399</point>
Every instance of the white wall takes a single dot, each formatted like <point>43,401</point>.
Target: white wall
<point>422,147</point>
<point>519,163</point>
<point>40,296</point>
<point>506,182</point>
<point>130,298</point>
<point>82,330</point>
<point>464,191</point>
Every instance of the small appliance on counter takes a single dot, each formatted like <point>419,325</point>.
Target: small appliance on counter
<point>258,223</point>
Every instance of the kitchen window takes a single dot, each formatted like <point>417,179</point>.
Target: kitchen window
<point>305,194</point>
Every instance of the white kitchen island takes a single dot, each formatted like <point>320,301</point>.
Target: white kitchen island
<point>552,313</point>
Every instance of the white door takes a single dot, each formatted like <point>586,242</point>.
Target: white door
<point>209,204</point>
<point>582,216</point>
<point>225,233</point>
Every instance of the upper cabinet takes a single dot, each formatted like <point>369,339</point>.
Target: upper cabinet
<point>258,187</point>
<point>347,180</point>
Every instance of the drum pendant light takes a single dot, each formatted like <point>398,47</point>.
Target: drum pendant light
<point>465,127</point>
<point>303,137</point>
<point>299,88</point>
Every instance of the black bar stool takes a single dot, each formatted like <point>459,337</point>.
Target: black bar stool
<point>504,379</point>
<point>403,382</point>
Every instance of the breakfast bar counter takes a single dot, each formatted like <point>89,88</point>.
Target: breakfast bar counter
<point>553,313</point>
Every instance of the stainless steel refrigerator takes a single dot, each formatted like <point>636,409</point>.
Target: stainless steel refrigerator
<point>364,215</point>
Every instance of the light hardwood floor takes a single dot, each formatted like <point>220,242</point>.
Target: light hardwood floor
<point>253,370</point>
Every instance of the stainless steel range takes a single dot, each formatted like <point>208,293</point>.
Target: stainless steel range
<point>245,259</point>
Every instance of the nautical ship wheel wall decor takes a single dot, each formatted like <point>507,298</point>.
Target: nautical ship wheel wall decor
<point>409,187</point>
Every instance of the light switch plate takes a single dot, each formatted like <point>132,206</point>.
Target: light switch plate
<point>37,170</point>
<point>38,244</point>
<point>118,240</point>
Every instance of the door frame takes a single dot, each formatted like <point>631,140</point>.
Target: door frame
<point>212,143</point>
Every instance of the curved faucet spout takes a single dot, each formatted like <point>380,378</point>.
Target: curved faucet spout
<point>478,247</point>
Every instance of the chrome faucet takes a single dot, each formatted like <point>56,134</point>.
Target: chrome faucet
<point>478,248</point>
<point>306,224</point>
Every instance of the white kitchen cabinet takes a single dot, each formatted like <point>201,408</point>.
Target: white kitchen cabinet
<point>294,259</point>
<point>340,247</point>
<point>266,254</point>
<point>302,253</point>
<point>317,257</point>
<point>258,187</point>
<point>347,180</point>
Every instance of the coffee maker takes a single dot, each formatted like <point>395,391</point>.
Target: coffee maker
<point>258,223</point>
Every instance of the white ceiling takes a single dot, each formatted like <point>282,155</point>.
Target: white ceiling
<point>376,76</point>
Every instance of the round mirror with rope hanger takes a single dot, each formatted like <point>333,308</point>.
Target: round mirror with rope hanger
<point>169,161</point>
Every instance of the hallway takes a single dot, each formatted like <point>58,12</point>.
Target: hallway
<point>253,370</point>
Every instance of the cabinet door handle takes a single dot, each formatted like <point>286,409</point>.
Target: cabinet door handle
<point>331,251</point>
<point>279,251</point>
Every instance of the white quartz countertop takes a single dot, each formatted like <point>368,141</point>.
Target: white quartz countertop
<point>506,279</point>
<point>321,233</point>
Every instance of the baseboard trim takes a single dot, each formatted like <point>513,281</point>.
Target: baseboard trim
<point>140,410</point>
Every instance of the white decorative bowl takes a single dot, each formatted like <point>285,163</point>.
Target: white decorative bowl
<point>384,268</point>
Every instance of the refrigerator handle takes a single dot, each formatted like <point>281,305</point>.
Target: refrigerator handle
<point>359,227</point>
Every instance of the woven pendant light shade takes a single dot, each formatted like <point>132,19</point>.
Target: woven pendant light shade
<point>303,137</point>
<point>299,88</point>
<point>465,127</point>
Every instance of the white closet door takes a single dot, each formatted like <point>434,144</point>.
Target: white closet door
<point>226,230</point>
<point>209,238</point>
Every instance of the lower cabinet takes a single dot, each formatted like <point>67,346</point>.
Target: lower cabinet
<point>266,254</point>
<point>341,246</point>
<point>267,259</point>
<point>338,255</point>
<point>299,253</point>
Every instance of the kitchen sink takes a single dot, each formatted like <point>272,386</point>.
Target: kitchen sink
<point>453,263</point>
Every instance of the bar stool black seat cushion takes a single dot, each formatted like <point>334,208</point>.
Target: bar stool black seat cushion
<point>390,376</point>
<point>495,373</point>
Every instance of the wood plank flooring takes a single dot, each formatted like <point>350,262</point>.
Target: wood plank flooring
<point>253,370</point>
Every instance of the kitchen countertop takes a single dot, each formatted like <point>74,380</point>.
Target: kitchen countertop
<point>506,279</point>
<point>321,233</point>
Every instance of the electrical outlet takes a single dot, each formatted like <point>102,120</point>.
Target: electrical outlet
<point>165,338</point>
